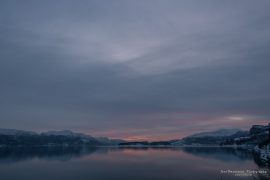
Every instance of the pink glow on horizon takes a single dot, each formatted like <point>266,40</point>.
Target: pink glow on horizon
<point>138,134</point>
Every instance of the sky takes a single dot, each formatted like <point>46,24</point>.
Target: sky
<point>137,70</point>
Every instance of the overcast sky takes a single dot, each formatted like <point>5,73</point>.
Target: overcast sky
<point>134,69</point>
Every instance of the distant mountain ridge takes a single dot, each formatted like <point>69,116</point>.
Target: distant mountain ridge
<point>220,132</point>
<point>60,133</point>
<point>15,132</point>
<point>257,139</point>
<point>257,135</point>
<point>52,138</point>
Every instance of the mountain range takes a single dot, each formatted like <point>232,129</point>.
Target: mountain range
<point>51,138</point>
<point>257,138</point>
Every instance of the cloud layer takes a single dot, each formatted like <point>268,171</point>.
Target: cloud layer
<point>155,69</point>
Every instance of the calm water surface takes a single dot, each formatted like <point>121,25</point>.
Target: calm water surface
<point>81,163</point>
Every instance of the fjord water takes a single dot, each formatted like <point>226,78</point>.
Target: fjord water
<point>85,163</point>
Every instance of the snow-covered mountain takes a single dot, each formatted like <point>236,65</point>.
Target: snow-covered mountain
<point>14,137</point>
<point>67,133</point>
<point>207,138</point>
<point>219,132</point>
<point>58,133</point>
<point>84,137</point>
<point>257,135</point>
<point>15,132</point>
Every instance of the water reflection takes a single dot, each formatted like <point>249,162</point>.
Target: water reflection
<point>145,163</point>
<point>226,154</point>
<point>62,153</point>
<point>220,153</point>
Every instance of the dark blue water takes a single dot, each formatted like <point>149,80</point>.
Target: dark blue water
<point>85,163</point>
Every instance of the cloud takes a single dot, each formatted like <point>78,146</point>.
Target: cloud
<point>95,67</point>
